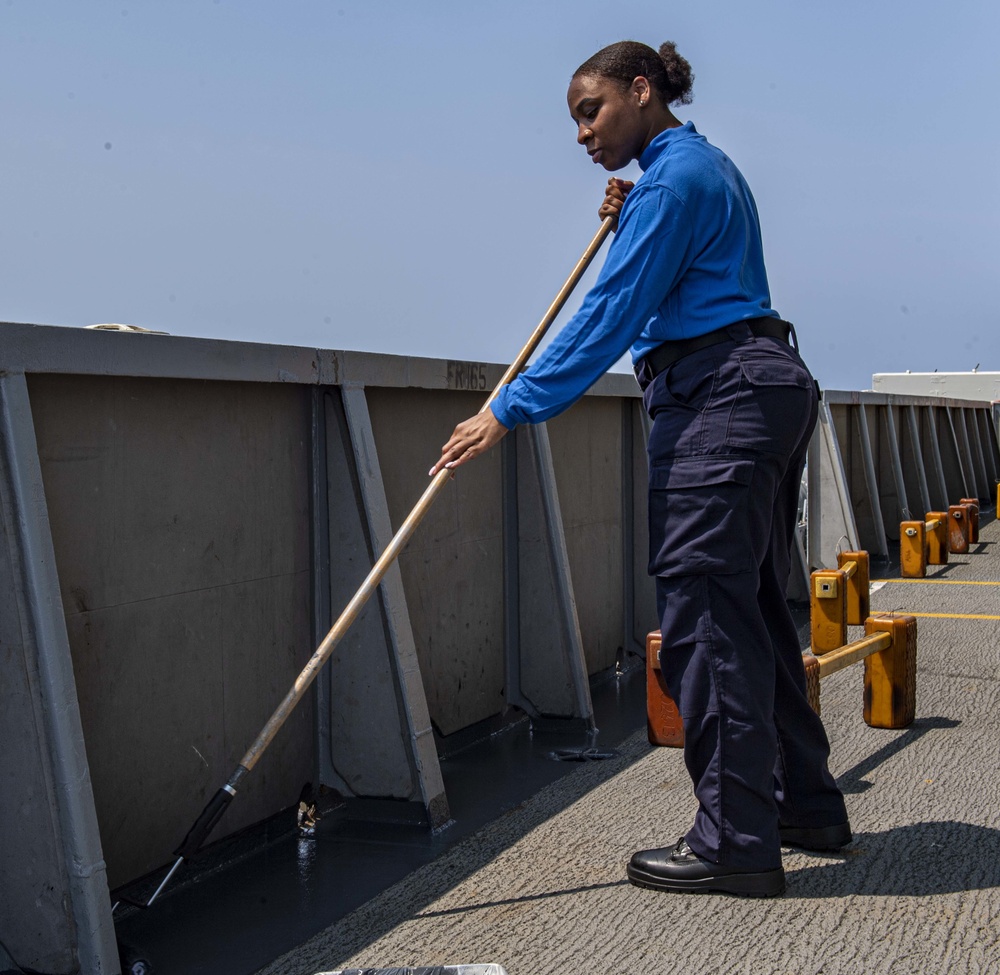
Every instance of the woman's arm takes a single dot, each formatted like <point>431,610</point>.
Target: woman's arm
<point>643,264</point>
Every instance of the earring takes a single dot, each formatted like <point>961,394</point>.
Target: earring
<point>642,103</point>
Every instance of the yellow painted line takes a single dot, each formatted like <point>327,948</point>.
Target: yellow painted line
<point>941,582</point>
<point>940,616</point>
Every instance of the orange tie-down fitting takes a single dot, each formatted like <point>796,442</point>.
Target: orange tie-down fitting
<point>973,504</point>
<point>663,721</point>
<point>838,598</point>
<point>889,651</point>
<point>960,528</point>
<point>923,543</point>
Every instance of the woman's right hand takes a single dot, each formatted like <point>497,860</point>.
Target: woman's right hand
<point>614,198</point>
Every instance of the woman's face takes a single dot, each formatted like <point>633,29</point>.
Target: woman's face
<point>610,122</point>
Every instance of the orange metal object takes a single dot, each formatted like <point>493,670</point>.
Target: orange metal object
<point>858,586</point>
<point>973,504</point>
<point>663,720</point>
<point>937,537</point>
<point>828,610</point>
<point>912,550</point>
<point>891,674</point>
<point>811,664</point>
<point>958,529</point>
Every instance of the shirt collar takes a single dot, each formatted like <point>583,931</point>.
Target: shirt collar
<point>663,141</point>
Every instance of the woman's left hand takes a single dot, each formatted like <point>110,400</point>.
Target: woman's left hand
<point>614,198</point>
<point>471,438</point>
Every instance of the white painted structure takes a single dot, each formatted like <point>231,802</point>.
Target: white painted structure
<point>956,385</point>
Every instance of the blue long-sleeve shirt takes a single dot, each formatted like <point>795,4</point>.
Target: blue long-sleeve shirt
<point>686,259</point>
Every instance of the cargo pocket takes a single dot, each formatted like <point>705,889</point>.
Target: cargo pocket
<point>699,516</point>
<point>773,405</point>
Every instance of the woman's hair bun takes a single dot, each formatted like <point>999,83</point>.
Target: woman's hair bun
<point>679,74</point>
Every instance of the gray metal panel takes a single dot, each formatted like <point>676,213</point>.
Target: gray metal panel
<point>78,351</point>
<point>586,445</point>
<point>896,462</point>
<point>915,457</point>
<point>834,397</point>
<point>413,713</point>
<point>991,433</point>
<point>322,611</point>
<point>987,437</point>
<point>565,608</point>
<point>864,489</point>
<point>954,463</point>
<point>514,696</point>
<point>362,749</point>
<point>984,458</point>
<point>545,680</point>
<point>832,528</point>
<point>180,519</point>
<point>452,569</point>
<point>939,483</point>
<point>977,463</point>
<point>644,606</point>
<point>639,596</point>
<point>56,908</point>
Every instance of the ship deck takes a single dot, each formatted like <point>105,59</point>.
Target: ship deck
<point>530,875</point>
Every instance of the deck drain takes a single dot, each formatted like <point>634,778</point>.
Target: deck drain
<point>580,755</point>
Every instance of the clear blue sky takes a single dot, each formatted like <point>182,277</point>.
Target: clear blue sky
<point>404,177</point>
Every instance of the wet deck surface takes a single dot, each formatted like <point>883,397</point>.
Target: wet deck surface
<point>247,901</point>
<point>531,876</point>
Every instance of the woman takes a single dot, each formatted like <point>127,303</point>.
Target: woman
<point>733,407</point>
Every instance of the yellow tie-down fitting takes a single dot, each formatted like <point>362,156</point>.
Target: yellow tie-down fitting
<point>889,651</point>
<point>923,543</point>
<point>838,598</point>
<point>973,505</point>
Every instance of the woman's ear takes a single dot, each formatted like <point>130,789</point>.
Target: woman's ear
<point>641,90</point>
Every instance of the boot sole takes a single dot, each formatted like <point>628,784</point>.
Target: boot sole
<point>766,883</point>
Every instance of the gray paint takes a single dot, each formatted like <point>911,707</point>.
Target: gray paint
<point>543,643</point>
<point>896,461</point>
<point>934,458</point>
<point>56,912</point>
<point>210,509</point>
<point>411,707</point>
<point>973,447</point>
<point>934,442</point>
<point>76,351</point>
<point>832,527</point>
<point>913,458</point>
<point>586,445</point>
<point>951,460</point>
<point>179,514</point>
<point>961,451</point>
<point>877,541</point>
<point>644,589</point>
<point>985,436</point>
<point>452,570</point>
<point>564,608</point>
<point>362,750</point>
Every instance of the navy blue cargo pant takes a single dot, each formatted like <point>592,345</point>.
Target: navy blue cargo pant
<point>731,424</point>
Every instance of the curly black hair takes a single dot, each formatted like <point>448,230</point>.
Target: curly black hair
<point>667,71</point>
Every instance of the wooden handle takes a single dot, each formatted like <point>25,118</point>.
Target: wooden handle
<point>413,519</point>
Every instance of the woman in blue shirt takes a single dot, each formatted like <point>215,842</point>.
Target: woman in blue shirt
<point>684,289</point>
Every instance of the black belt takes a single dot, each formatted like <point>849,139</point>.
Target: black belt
<point>664,356</point>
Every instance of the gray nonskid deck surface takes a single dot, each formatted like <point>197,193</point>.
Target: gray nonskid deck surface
<point>543,891</point>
